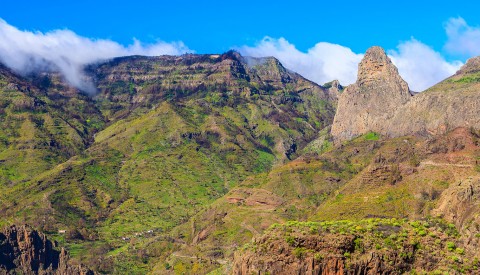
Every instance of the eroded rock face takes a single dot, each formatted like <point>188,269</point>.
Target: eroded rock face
<point>460,204</point>
<point>24,250</point>
<point>378,246</point>
<point>380,101</point>
<point>373,99</point>
<point>329,258</point>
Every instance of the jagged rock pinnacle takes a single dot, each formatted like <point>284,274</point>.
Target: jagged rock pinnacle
<point>376,67</point>
<point>381,102</point>
<point>365,105</point>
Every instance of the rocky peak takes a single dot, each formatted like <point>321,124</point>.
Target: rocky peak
<point>269,69</point>
<point>233,55</point>
<point>376,69</point>
<point>472,66</point>
<point>365,105</point>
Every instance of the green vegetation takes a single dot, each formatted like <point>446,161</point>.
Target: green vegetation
<point>371,136</point>
<point>469,78</point>
<point>145,155</point>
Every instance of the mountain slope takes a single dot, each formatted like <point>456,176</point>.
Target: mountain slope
<point>175,134</point>
<point>42,125</point>
<point>179,161</point>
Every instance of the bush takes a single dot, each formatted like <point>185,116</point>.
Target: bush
<point>371,136</point>
<point>299,252</point>
<point>451,246</point>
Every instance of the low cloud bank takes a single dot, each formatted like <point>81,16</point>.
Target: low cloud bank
<point>63,50</point>
<point>417,63</point>
<point>322,63</point>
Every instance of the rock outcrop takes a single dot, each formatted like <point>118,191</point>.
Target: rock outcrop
<point>344,247</point>
<point>380,101</point>
<point>460,205</point>
<point>25,251</point>
<point>372,100</point>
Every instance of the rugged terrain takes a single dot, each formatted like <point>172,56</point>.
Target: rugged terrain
<point>163,138</point>
<point>25,251</point>
<point>380,101</point>
<point>178,162</point>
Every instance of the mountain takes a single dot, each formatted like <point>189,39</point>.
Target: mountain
<point>208,163</point>
<point>380,101</point>
<point>163,138</point>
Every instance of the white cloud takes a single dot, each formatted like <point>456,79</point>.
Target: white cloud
<point>26,51</point>
<point>417,63</point>
<point>420,65</point>
<point>322,63</point>
<point>462,38</point>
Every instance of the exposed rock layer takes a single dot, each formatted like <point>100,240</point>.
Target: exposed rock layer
<point>380,101</point>
<point>25,251</point>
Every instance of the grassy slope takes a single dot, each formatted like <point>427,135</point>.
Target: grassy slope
<point>40,129</point>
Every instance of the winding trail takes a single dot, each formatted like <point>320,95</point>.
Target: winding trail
<point>431,163</point>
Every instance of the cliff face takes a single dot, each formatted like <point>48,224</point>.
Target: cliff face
<point>460,205</point>
<point>367,104</point>
<point>381,102</point>
<point>372,246</point>
<point>452,103</point>
<point>25,251</point>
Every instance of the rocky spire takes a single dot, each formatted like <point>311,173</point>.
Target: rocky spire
<point>365,105</point>
<point>376,69</point>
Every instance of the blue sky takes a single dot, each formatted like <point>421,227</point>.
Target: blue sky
<point>216,26</point>
<point>292,28</point>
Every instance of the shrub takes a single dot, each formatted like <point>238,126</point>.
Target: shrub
<point>371,136</point>
<point>299,252</point>
<point>451,246</point>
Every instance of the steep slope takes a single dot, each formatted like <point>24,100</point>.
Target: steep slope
<point>452,103</point>
<point>380,102</point>
<point>25,251</point>
<point>139,83</point>
<point>44,122</point>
